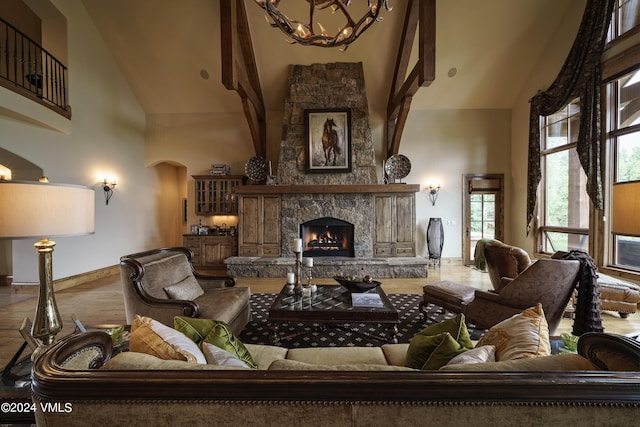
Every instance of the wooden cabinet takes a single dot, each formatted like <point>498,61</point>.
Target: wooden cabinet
<point>394,225</point>
<point>259,225</point>
<point>215,195</point>
<point>195,244</point>
<point>209,252</point>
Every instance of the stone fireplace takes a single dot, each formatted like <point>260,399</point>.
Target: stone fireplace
<point>356,198</point>
<point>327,237</point>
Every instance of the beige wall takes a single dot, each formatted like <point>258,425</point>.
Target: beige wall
<point>443,145</point>
<point>196,141</point>
<point>105,135</point>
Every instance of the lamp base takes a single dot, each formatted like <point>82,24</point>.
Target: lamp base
<point>47,322</point>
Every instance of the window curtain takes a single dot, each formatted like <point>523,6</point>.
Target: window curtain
<point>579,77</point>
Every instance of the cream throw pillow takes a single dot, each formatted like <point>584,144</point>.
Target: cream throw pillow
<point>217,356</point>
<point>152,337</point>
<point>520,336</point>
<point>485,353</point>
<point>187,289</point>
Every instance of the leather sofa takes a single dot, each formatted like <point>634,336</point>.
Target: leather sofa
<point>336,387</point>
<point>160,284</point>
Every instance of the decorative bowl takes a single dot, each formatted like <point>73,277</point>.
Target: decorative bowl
<point>356,284</point>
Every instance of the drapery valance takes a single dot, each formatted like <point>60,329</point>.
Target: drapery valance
<point>579,77</point>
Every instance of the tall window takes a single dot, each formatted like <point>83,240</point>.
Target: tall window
<point>564,203</point>
<point>626,16</point>
<point>624,146</point>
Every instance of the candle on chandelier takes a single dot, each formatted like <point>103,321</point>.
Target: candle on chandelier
<point>291,278</point>
<point>309,262</point>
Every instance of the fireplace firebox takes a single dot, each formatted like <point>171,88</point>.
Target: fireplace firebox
<point>324,237</point>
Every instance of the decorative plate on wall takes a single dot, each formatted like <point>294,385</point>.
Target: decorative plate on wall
<point>397,166</point>
<point>256,169</point>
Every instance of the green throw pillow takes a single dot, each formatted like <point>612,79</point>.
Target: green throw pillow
<point>213,332</point>
<point>435,345</point>
<point>196,329</point>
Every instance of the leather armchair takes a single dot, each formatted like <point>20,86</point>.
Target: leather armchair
<point>504,260</point>
<point>145,275</point>
<point>547,281</point>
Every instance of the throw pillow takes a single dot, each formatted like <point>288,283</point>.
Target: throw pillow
<point>188,289</point>
<point>195,328</point>
<point>522,335</point>
<point>485,353</point>
<point>152,337</point>
<point>222,337</point>
<point>435,345</point>
<point>217,356</point>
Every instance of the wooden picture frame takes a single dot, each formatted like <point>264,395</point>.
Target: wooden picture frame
<point>328,140</point>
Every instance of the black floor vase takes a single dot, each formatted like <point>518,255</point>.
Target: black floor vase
<point>435,240</point>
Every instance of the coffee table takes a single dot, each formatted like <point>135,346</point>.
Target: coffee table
<point>331,305</point>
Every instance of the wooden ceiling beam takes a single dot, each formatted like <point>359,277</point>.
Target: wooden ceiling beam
<point>422,14</point>
<point>239,70</point>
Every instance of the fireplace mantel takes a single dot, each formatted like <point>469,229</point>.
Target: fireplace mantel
<point>328,189</point>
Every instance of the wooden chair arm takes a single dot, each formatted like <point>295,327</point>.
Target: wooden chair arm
<point>210,281</point>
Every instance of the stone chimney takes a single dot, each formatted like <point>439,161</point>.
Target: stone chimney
<point>326,86</point>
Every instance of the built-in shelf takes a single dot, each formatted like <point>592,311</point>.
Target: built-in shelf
<point>328,189</point>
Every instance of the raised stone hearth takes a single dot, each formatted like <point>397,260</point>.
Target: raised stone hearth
<point>329,266</point>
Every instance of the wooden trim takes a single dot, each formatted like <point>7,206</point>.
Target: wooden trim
<point>239,69</point>
<point>328,189</point>
<point>484,388</point>
<point>422,13</point>
<point>620,64</point>
<point>81,279</point>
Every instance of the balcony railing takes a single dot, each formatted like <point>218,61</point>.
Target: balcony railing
<point>28,69</point>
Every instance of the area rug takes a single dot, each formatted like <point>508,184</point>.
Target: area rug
<point>294,335</point>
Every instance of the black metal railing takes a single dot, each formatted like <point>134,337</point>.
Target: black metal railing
<point>26,66</point>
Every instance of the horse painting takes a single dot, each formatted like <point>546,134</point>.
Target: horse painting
<point>330,144</point>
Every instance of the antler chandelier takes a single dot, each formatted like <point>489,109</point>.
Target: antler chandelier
<point>305,32</point>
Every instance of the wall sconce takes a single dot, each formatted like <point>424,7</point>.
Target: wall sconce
<point>108,189</point>
<point>433,193</point>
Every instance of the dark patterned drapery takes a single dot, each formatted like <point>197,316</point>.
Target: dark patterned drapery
<point>579,77</point>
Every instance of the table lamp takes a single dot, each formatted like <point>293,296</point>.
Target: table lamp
<point>37,209</point>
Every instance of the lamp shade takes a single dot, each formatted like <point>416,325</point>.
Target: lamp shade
<point>35,210</point>
<point>626,208</point>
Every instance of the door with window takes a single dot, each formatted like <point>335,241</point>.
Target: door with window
<point>483,211</point>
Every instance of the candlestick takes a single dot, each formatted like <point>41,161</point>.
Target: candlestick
<point>296,244</point>
<point>298,285</point>
<point>310,285</point>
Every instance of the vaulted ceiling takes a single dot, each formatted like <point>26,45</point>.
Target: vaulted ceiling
<point>164,47</point>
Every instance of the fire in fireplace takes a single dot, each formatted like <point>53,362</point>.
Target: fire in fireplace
<point>327,237</point>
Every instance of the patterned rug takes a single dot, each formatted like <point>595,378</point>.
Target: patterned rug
<point>295,335</point>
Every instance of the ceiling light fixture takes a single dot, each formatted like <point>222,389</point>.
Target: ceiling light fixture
<point>304,33</point>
